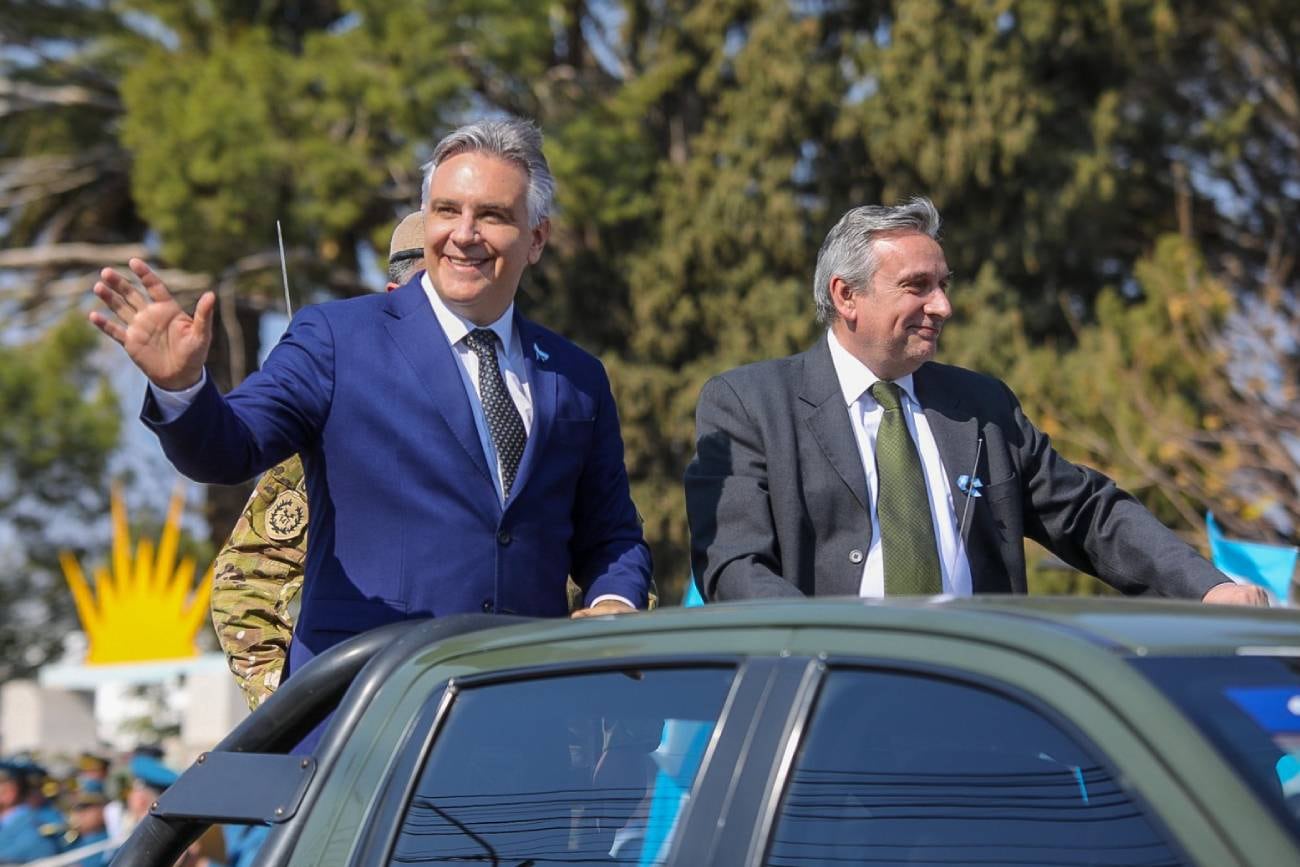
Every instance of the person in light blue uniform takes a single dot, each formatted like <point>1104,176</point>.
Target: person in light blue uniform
<point>86,819</point>
<point>41,791</point>
<point>243,842</point>
<point>149,779</point>
<point>23,835</point>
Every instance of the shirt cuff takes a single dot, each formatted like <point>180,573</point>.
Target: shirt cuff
<point>172,404</point>
<point>614,596</point>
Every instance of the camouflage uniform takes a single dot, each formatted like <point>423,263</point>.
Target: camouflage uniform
<point>256,577</point>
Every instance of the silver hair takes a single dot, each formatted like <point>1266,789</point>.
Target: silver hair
<point>849,249</point>
<point>512,139</point>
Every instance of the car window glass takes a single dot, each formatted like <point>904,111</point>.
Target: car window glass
<point>900,768</point>
<point>576,769</point>
<point>1249,708</point>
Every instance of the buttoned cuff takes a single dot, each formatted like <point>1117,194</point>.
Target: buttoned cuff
<point>171,404</point>
<point>614,596</point>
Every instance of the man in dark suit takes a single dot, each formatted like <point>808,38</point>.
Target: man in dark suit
<point>458,457</point>
<point>862,467</point>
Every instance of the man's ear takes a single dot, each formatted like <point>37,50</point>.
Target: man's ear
<point>845,299</point>
<point>541,232</point>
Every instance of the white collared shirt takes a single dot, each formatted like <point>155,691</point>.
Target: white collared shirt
<point>510,358</point>
<point>865,412</point>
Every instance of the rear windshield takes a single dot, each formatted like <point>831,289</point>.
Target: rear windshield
<point>1249,707</point>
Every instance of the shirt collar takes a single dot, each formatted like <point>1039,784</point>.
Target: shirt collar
<point>456,326</point>
<point>855,377</point>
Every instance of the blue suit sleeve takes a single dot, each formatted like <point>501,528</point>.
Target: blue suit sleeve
<point>609,554</point>
<point>274,413</point>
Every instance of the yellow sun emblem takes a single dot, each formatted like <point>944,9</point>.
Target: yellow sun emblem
<point>144,609</point>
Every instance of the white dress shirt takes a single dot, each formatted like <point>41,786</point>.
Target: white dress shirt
<point>864,414</point>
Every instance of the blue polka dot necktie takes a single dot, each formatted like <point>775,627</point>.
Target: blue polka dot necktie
<point>505,425</point>
<point>911,557</point>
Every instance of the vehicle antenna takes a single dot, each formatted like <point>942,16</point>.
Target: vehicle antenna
<point>284,270</point>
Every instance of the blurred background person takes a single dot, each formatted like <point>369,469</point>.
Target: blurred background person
<point>87,824</point>
<point>25,832</point>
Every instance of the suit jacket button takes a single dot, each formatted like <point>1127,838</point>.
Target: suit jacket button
<point>855,556</point>
<point>503,537</point>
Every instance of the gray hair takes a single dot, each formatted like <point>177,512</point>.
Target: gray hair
<point>849,249</point>
<point>403,265</point>
<point>512,139</point>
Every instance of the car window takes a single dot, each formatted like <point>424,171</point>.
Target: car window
<point>1249,708</point>
<point>573,769</point>
<point>904,768</point>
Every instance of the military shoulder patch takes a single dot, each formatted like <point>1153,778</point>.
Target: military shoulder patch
<point>287,516</point>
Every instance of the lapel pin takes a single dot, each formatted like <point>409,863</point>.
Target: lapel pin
<point>541,355</point>
<point>969,486</point>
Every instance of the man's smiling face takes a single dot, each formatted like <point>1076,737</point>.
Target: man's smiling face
<point>893,326</point>
<point>477,241</point>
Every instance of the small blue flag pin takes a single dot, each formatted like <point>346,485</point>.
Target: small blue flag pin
<point>968,486</point>
<point>541,356</point>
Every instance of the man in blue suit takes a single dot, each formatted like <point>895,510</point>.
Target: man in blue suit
<point>459,458</point>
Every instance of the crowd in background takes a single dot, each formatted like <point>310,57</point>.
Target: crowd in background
<point>79,813</point>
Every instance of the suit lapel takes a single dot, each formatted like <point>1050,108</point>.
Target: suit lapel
<point>422,342</point>
<point>956,432</point>
<point>828,419</point>
<point>544,384</point>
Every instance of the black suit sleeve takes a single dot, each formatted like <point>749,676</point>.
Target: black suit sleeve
<point>1088,521</point>
<point>733,536</point>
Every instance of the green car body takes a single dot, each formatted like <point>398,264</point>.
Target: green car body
<point>1073,656</point>
<point>1031,731</point>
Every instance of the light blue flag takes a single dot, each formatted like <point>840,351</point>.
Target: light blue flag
<point>692,596</point>
<point>1269,566</point>
<point>679,756</point>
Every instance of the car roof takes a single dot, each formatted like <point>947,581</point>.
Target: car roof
<point>1125,626</point>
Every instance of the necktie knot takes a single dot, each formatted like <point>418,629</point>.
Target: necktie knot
<point>482,341</point>
<point>887,394</point>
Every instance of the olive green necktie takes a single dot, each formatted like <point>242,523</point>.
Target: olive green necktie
<point>902,504</point>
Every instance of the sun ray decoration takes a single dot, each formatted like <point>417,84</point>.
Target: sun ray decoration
<point>143,609</point>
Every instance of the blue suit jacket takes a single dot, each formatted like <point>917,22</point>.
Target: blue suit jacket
<point>405,519</point>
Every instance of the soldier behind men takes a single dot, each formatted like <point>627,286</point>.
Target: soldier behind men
<point>258,572</point>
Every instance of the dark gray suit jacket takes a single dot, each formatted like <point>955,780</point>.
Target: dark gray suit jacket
<point>777,498</point>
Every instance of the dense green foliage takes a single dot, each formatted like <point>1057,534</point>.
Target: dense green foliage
<point>1118,179</point>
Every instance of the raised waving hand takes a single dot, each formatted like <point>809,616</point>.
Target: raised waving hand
<point>164,341</point>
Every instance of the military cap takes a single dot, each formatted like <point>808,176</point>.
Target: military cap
<point>89,794</point>
<point>90,762</point>
<point>408,238</point>
<point>34,774</point>
<point>152,772</point>
<point>10,771</point>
